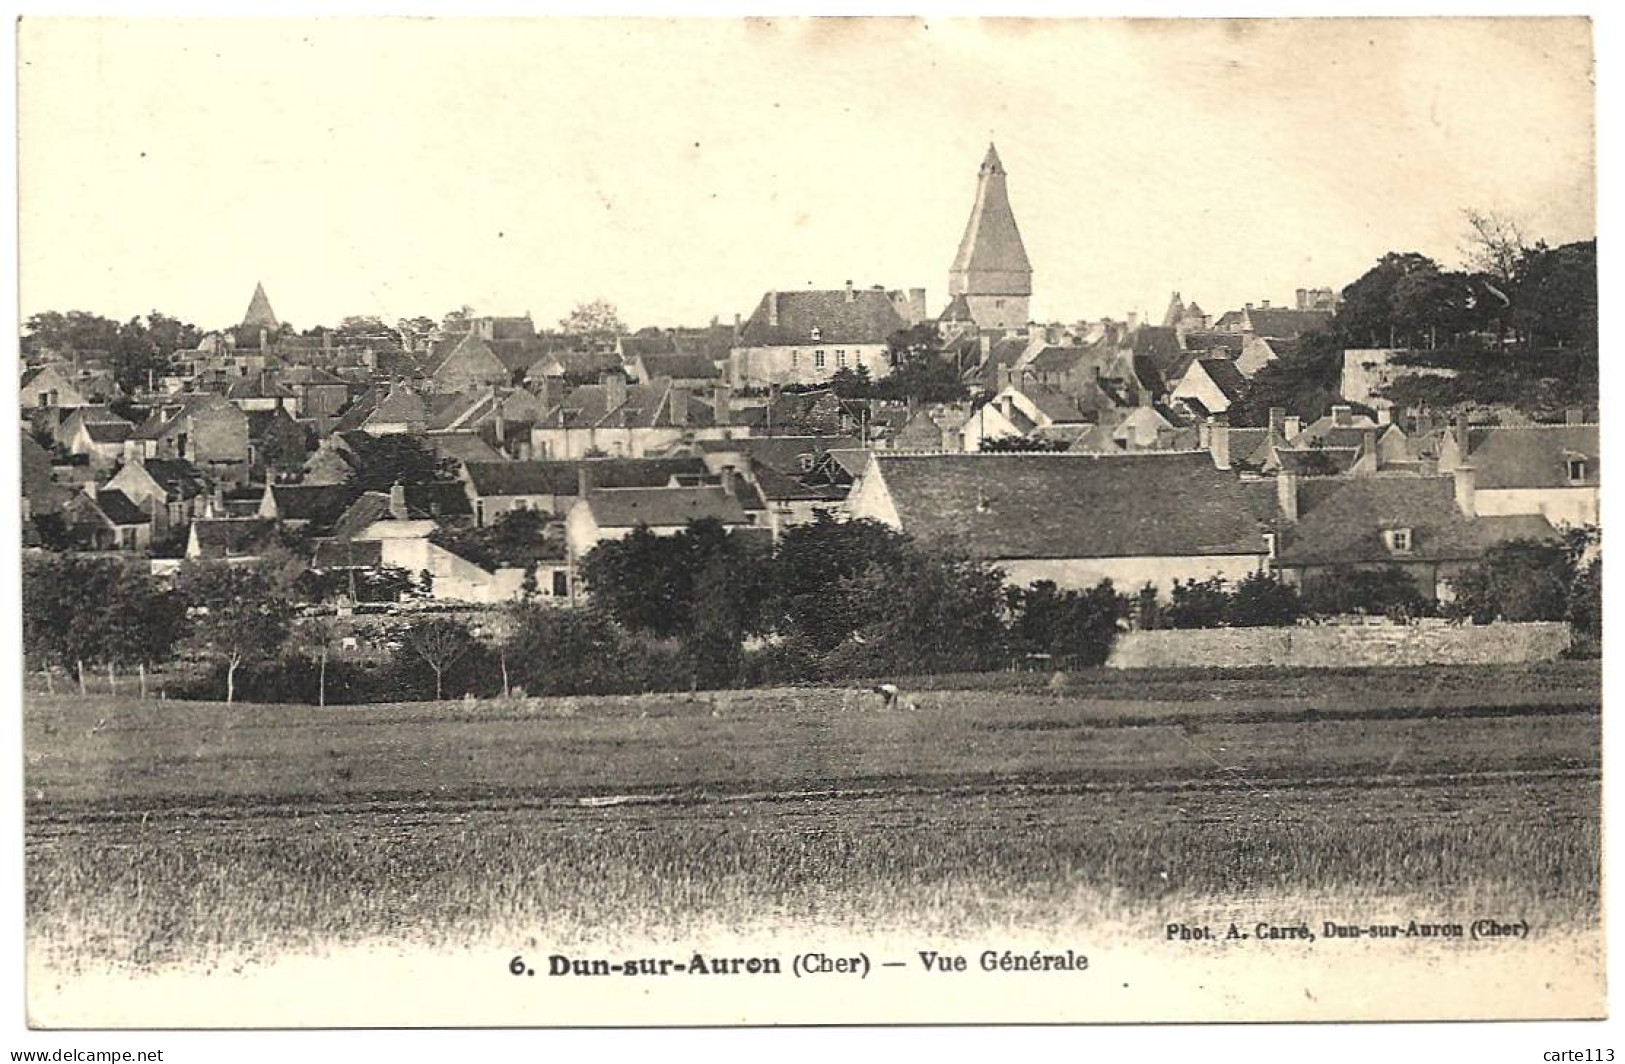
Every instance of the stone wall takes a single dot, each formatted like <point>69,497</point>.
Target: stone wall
<point>1340,646</point>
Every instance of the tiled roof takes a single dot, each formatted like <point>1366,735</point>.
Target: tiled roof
<point>464,447</point>
<point>662,507</point>
<point>1342,520</point>
<point>1316,461</point>
<point>1533,456</point>
<point>1070,505</point>
<point>681,367</point>
<point>782,453</point>
<point>1285,323</point>
<point>231,535</point>
<point>312,502</point>
<point>108,432</point>
<point>119,509</point>
<point>1225,376</point>
<point>561,477</point>
<point>348,554</point>
<point>176,476</point>
<point>400,406</point>
<point>859,316</point>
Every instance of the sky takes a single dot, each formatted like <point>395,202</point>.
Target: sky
<point>680,169</point>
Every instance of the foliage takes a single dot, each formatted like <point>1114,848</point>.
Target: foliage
<point>236,614</point>
<point>135,348</point>
<point>440,645</point>
<point>919,369</point>
<point>649,583</point>
<point>1260,600</point>
<point>1520,580</point>
<point>810,597</point>
<point>517,539</point>
<point>1585,604</point>
<point>1077,627</point>
<point>397,458</point>
<point>928,612</point>
<point>597,317</point>
<point>1348,589</point>
<point>1195,604</point>
<point>385,583</point>
<point>97,612</point>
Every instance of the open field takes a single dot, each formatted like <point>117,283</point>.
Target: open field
<point>163,833</point>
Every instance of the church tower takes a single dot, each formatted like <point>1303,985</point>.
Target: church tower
<point>991,270</point>
<point>260,315</point>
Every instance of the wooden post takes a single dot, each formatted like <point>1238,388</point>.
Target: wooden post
<point>80,667</point>
<point>112,684</point>
<point>141,670</point>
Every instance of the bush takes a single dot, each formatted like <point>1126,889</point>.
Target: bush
<point>1074,627</point>
<point>1195,604</point>
<point>1262,601</point>
<point>1386,591</point>
<point>1521,580</point>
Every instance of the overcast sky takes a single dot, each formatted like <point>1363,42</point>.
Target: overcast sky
<point>680,169</point>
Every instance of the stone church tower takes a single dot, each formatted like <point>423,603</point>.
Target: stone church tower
<point>260,315</point>
<point>991,270</point>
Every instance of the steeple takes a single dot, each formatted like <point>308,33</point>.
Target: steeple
<point>992,268</point>
<point>260,315</point>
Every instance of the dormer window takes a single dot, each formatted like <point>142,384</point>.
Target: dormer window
<point>817,334</point>
<point>1399,540</point>
<point>1577,470</point>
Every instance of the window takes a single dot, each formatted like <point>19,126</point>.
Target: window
<point>479,512</point>
<point>840,358</point>
<point>1399,540</point>
<point>998,304</point>
<point>1577,470</point>
<point>817,334</point>
<point>818,360</point>
<point>561,584</point>
<point>795,358</point>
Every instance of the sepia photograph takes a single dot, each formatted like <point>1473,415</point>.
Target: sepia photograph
<point>644,522</point>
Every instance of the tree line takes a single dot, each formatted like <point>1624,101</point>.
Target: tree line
<point>713,608</point>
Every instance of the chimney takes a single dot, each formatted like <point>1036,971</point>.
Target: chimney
<point>1249,306</point>
<point>1385,415</point>
<point>773,309</point>
<point>1265,305</point>
<point>1342,416</point>
<point>397,501</point>
<point>1277,421</point>
<point>583,479</point>
<point>730,485</point>
<point>499,406</point>
<point>614,382</point>
<point>1204,434</point>
<point>1459,428</point>
<point>679,405</point>
<point>1291,427</point>
<point>1303,298</point>
<point>1286,494</point>
<point>916,305</point>
<point>738,327</point>
<point>1574,415</point>
<point>722,400</point>
<point>217,501</point>
<point>1466,487</point>
<point>851,296</point>
<point>1219,443</point>
<point>1133,320</point>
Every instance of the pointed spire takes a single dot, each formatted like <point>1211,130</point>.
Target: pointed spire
<point>992,259</point>
<point>259,313</point>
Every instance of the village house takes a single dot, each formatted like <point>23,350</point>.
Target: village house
<point>1272,323</point>
<point>553,486</point>
<point>1210,386</point>
<point>313,508</point>
<point>277,444</point>
<point>1429,526</point>
<point>49,386</point>
<point>237,540</point>
<point>696,372</point>
<point>400,411</point>
<point>203,429</point>
<point>103,519</point>
<point>614,419</point>
<point>784,471</point>
<point>1075,519</point>
<point>469,364</point>
<point>1551,470</point>
<point>261,391</point>
<point>1030,407</point>
<point>806,337</point>
<point>319,393</point>
<point>172,490</point>
<point>100,441</point>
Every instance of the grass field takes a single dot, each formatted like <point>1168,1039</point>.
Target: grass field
<point>166,832</point>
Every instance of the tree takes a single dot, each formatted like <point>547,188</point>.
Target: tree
<point>929,612</point>
<point>236,615</point>
<point>1495,245</point>
<point>1520,580</point>
<point>1347,589</point>
<point>81,611</point>
<point>1196,604</point>
<point>1262,601</point>
<point>1078,626</point>
<point>649,583</point>
<point>595,318</point>
<point>1585,604</point>
<point>384,461</point>
<point>316,635</point>
<point>439,643</point>
<point>810,595</point>
<point>516,539</point>
<point>920,370</point>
